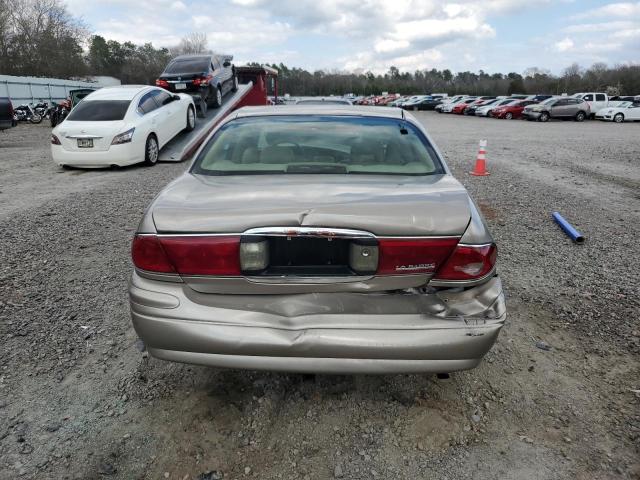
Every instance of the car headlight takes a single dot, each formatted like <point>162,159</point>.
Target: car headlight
<point>124,137</point>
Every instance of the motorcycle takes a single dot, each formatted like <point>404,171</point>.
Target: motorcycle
<point>42,109</point>
<point>59,112</point>
<point>26,113</point>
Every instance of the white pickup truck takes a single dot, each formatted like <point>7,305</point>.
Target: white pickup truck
<point>598,100</point>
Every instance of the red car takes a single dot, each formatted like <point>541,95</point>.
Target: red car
<point>513,110</point>
<point>459,108</point>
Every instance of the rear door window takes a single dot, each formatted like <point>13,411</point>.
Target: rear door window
<point>162,98</point>
<point>599,97</point>
<point>147,103</point>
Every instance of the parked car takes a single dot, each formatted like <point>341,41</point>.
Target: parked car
<point>317,239</point>
<point>209,76</point>
<point>448,101</point>
<point>596,100</point>
<point>471,109</point>
<point>460,106</point>
<point>538,98</point>
<point>324,101</point>
<point>478,101</point>
<point>427,103</point>
<point>558,107</point>
<point>511,109</point>
<point>624,112</point>
<point>6,114</point>
<point>118,126</point>
<point>487,109</point>
<point>413,99</point>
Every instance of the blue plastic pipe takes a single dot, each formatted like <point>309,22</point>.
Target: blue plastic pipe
<point>575,235</point>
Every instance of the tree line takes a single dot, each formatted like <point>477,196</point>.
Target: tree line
<point>616,80</point>
<point>41,38</point>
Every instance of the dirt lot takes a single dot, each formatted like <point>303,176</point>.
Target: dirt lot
<point>78,400</point>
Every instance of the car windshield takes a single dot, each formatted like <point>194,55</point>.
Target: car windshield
<point>188,65</point>
<point>625,104</point>
<point>99,111</point>
<point>310,144</point>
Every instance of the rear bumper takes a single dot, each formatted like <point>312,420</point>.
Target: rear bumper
<point>120,155</point>
<point>320,333</point>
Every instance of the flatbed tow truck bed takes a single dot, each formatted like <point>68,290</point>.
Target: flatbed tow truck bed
<point>185,144</point>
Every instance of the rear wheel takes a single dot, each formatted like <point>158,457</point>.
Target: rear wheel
<point>508,115</point>
<point>151,151</point>
<point>580,116</point>
<point>36,118</point>
<point>544,117</point>
<point>191,119</point>
<point>618,118</point>
<point>215,97</point>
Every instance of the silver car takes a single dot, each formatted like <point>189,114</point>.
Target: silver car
<point>322,239</point>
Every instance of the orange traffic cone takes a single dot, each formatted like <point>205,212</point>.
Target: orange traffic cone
<point>480,169</point>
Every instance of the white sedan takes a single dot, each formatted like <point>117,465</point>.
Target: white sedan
<point>624,112</point>
<point>118,126</point>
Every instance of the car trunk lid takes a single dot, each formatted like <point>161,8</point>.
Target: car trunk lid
<point>312,225</point>
<point>89,136</point>
<point>386,205</point>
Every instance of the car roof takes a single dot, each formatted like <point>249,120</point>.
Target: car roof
<point>120,92</point>
<point>338,110</point>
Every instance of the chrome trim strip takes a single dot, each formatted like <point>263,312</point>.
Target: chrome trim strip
<point>82,136</point>
<point>326,232</point>
<point>357,234</point>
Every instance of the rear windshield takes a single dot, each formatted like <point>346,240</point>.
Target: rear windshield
<point>304,144</point>
<point>99,110</point>
<point>188,65</point>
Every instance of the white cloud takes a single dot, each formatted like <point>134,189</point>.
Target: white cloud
<point>564,45</point>
<point>622,9</point>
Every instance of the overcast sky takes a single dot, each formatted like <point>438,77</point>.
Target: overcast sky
<point>493,35</point>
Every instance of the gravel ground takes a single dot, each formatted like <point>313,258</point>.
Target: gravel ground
<point>78,400</point>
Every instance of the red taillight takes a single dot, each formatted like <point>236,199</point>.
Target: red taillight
<point>55,140</point>
<point>148,254</point>
<point>162,83</point>
<point>188,255</point>
<point>468,262</point>
<point>202,80</point>
<point>406,256</point>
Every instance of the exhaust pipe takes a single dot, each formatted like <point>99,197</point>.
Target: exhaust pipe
<point>575,235</point>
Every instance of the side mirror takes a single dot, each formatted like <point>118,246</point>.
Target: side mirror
<point>226,64</point>
<point>175,97</point>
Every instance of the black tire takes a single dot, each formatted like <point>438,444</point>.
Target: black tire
<point>151,151</point>
<point>191,119</point>
<point>53,119</point>
<point>235,83</point>
<point>544,117</point>
<point>36,118</point>
<point>215,97</point>
<point>580,116</point>
<point>618,118</point>
<point>508,115</point>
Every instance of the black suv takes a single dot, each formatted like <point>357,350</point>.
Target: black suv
<point>210,76</point>
<point>6,114</point>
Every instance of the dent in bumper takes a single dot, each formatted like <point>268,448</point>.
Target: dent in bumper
<point>332,333</point>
